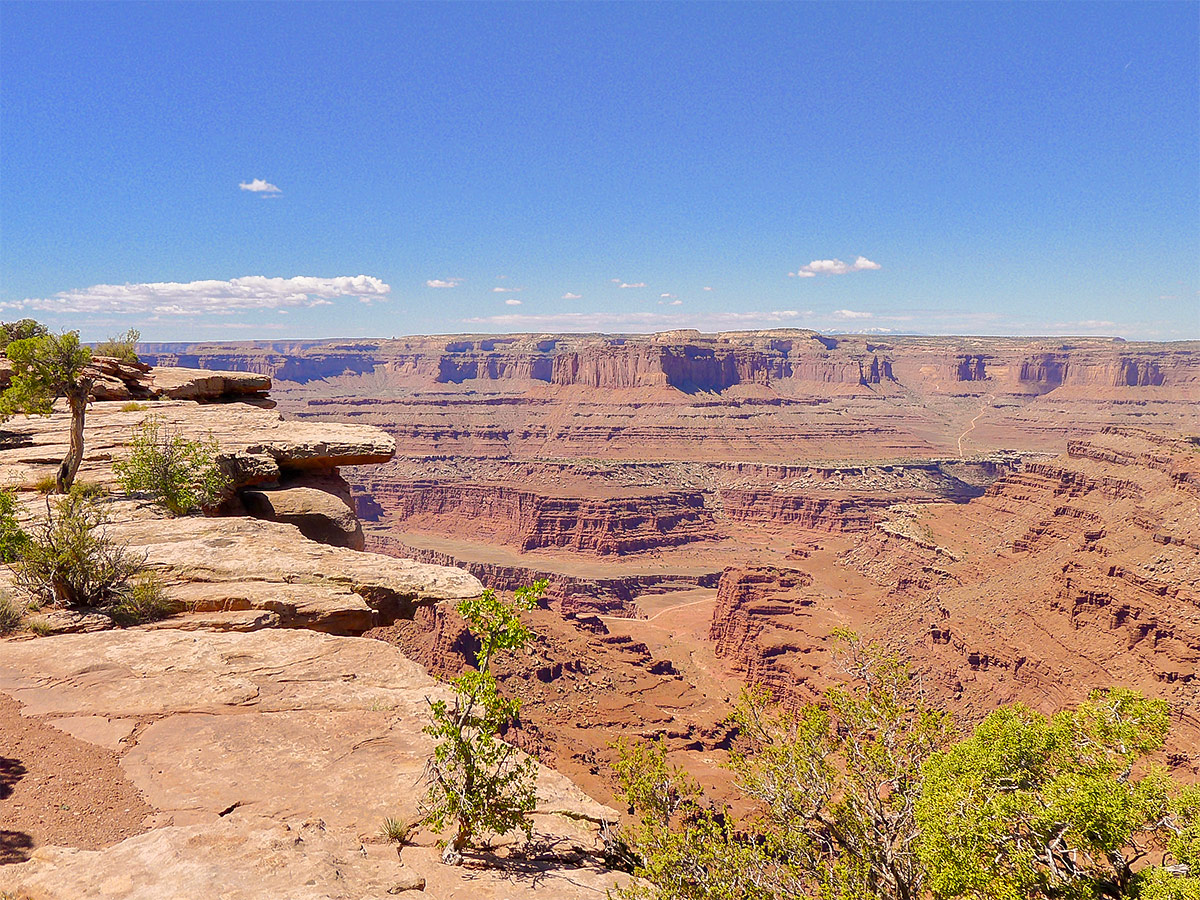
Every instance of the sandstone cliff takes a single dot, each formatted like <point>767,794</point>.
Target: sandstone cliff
<point>1068,575</point>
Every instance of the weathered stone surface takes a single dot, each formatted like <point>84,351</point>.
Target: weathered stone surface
<point>234,563</point>
<point>201,384</point>
<point>271,760</point>
<point>263,446</point>
<point>318,514</point>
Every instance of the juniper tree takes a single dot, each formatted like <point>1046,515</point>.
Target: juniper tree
<point>45,368</point>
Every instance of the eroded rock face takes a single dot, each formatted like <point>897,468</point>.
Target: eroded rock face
<point>320,514</point>
<point>259,444</point>
<point>530,521</point>
<point>270,761</point>
<point>1072,574</point>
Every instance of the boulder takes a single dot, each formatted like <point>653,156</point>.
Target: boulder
<point>319,514</point>
<point>203,384</point>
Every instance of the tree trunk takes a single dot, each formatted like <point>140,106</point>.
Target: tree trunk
<point>77,397</point>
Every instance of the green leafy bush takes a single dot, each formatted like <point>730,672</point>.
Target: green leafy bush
<point>477,782</point>
<point>20,330</point>
<point>69,560</point>
<point>1030,806</point>
<point>123,347</point>
<point>834,785</point>
<point>176,472</point>
<point>12,537</point>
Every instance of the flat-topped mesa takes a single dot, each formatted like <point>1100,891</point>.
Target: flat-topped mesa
<point>690,361</point>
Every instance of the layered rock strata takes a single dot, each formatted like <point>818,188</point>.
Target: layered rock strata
<point>1066,576</point>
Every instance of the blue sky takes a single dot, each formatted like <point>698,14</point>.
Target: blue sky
<point>243,171</point>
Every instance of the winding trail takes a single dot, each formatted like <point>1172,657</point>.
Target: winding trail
<point>986,404</point>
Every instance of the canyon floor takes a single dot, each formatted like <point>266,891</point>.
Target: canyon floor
<point>1011,515</point>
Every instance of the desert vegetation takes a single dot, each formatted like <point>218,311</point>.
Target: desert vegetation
<point>68,560</point>
<point>121,347</point>
<point>174,471</point>
<point>867,795</point>
<point>46,367</point>
<point>479,784</point>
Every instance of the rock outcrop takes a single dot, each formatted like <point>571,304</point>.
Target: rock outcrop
<point>269,761</point>
<point>530,521</point>
<point>1068,575</point>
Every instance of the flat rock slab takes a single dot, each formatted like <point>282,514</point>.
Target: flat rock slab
<point>271,760</point>
<point>230,563</point>
<point>261,444</point>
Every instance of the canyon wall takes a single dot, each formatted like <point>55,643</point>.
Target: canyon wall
<point>1068,575</point>
<point>693,362</point>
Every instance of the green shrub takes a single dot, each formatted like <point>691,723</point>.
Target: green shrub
<point>21,330</point>
<point>69,560</point>
<point>134,406</point>
<point>145,601</point>
<point>396,831</point>
<point>175,472</point>
<point>40,627</point>
<point>12,538</point>
<point>477,782</point>
<point>122,348</point>
<point>46,484</point>
<point>11,615</point>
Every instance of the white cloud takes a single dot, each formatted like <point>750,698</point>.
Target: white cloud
<point>258,186</point>
<point>636,284</point>
<point>443,282</point>
<point>615,280</point>
<point>852,314</point>
<point>569,296</point>
<point>637,321</point>
<point>513,301</point>
<point>706,288</point>
<point>676,303</point>
<point>502,290</point>
<point>667,296</point>
<point>169,298</point>
<point>833,267</point>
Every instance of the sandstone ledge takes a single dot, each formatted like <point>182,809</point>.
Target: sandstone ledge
<point>271,760</point>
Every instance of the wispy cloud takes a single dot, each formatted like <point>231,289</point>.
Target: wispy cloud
<point>833,267</point>
<point>569,296</point>
<point>667,296</point>
<point>706,288</point>
<point>637,321</point>
<point>504,290</point>
<point>851,314</point>
<point>636,284</point>
<point>671,300</point>
<point>512,301</point>
<point>170,298</point>
<point>258,186</point>
<point>443,282</point>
